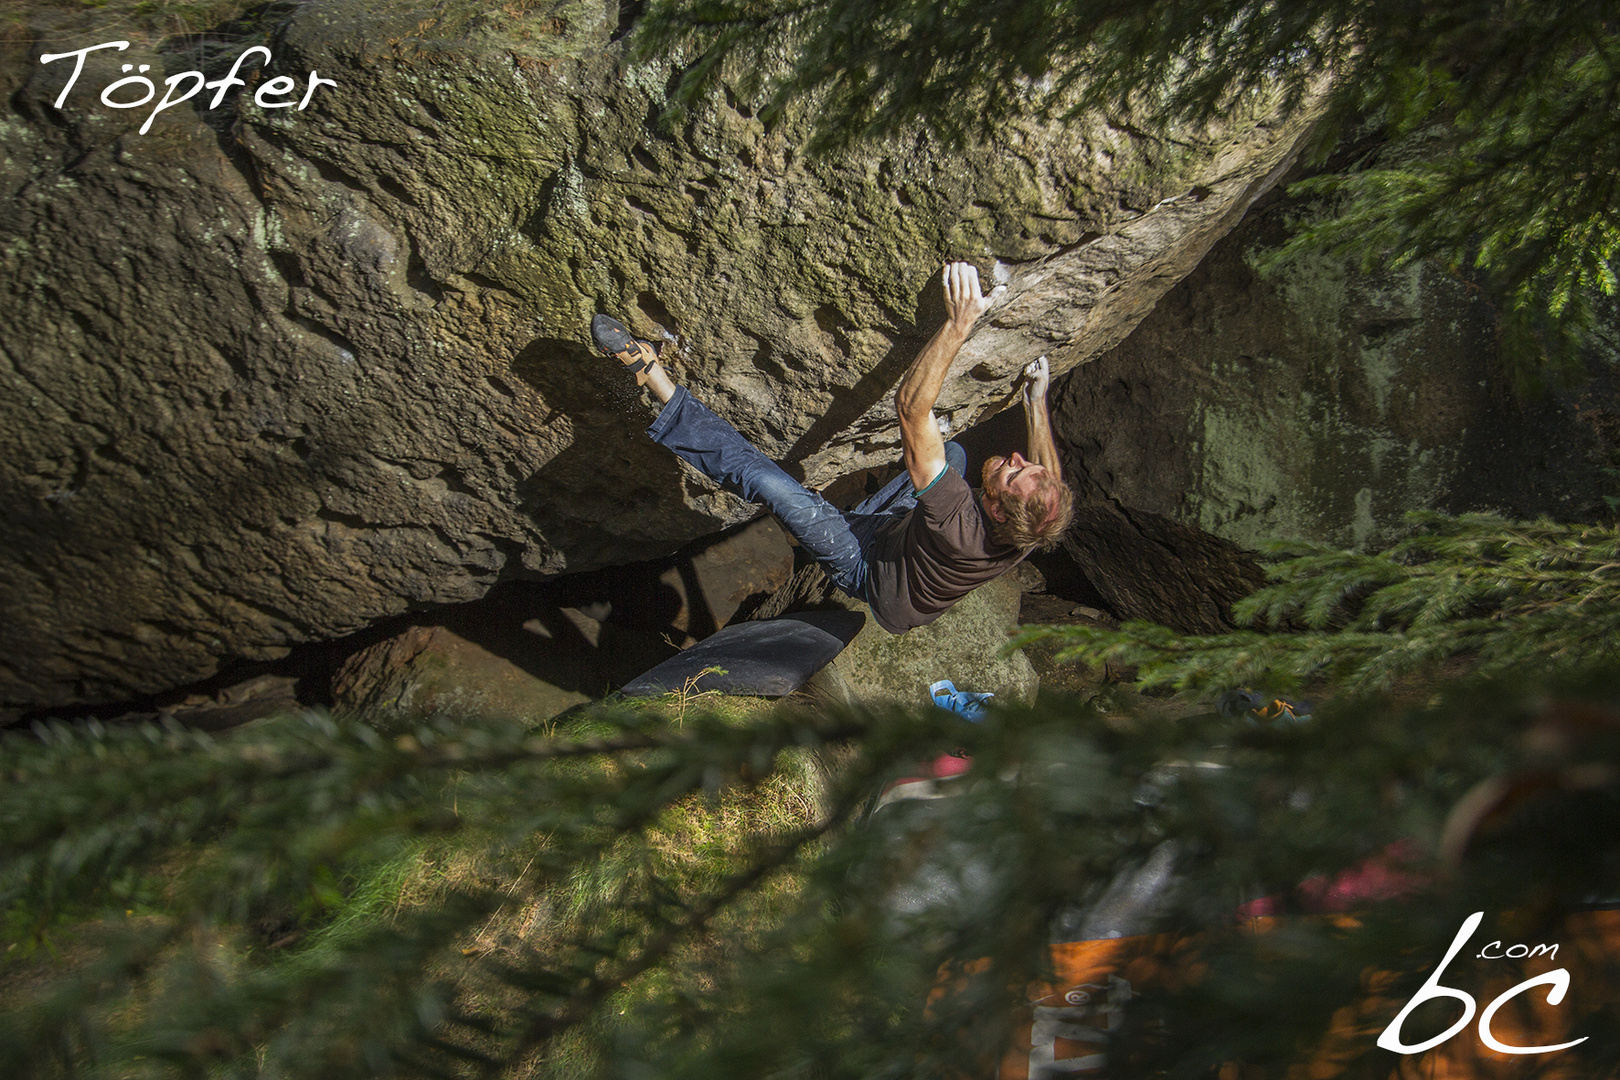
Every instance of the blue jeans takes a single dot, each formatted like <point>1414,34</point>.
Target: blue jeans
<point>836,540</point>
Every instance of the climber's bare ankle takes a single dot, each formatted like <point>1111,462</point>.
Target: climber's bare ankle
<point>659,382</point>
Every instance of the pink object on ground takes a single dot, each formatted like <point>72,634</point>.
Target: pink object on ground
<point>1381,877</point>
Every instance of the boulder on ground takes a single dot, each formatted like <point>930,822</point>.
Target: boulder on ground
<point>513,661</point>
<point>431,671</point>
<point>963,645</point>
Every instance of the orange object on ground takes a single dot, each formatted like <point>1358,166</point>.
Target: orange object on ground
<point>1069,1021</point>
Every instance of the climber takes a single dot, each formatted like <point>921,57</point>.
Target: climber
<point>925,540</point>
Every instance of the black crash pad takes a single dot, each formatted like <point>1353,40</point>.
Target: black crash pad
<point>768,658</point>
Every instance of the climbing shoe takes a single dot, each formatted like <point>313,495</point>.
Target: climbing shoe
<point>616,340</point>
<point>1261,708</point>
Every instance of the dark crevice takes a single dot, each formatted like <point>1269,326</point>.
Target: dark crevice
<point>109,452</point>
<point>655,124</point>
<point>534,225</point>
<point>237,366</point>
<point>83,322</point>
<point>737,106</point>
<point>338,517</point>
<point>762,352</point>
<point>334,175</point>
<point>298,444</point>
<point>1062,249</point>
<point>486,282</point>
<point>829,319</point>
<point>444,473</point>
<point>325,333</point>
<point>1120,124</point>
<point>236,156</point>
<point>397,190</point>
<point>629,12</point>
<point>1379,328</point>
<point>654,309</point>
<point>511,552</point>
<point>646,160</point>
<point>417,276</point>
<point>834,325</point>
<point>81,471</point>
<point>22,103</point>
<point>287,265</point>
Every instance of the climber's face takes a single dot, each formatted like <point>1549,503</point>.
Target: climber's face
<point>1015,474</point>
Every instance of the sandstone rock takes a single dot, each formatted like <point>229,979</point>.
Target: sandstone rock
<point>269,375</point>
<point>432,670</point>
<point>516,654</point>
<point>713,580</point>
<point>257,698</point>
<point>963,645</point>
<point>1153,567</point>
<point>1323,404</point>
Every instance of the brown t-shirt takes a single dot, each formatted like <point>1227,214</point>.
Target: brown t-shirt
<point>929,559</point>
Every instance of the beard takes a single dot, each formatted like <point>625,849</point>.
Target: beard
<point>988,470</point>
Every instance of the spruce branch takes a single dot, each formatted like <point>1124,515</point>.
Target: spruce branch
<point>901,944</point>
<point>1508,595</point>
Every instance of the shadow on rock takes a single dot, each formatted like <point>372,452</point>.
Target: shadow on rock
<point>612,490</point>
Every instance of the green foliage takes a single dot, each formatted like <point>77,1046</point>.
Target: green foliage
<point>274,820</point>
<point>1506,196</point>
<point>899,946</point>
<point>1509,596</point>
<point>1519,189</point>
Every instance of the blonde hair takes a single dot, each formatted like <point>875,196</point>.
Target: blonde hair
<point>1036,520</point>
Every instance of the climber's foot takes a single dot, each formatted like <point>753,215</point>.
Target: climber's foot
<point>637,354</point>
<point>615,340</point>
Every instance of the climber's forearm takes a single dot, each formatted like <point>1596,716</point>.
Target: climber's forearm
<point>924,450</point>
<point>1038,425</point>
<point>923,381</point>
<point>1037,420</point>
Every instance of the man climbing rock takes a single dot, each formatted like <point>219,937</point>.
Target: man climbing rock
<point>924,541</point>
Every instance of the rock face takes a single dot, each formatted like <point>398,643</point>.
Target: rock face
<point>431,671</point>
<point>270,374</point>
<point>962,645</point>
<point>1323,404</point>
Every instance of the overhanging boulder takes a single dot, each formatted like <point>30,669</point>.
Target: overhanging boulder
<point>272,374</point>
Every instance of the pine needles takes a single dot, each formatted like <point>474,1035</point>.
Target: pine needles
<point>826,942</point>
<point>1509,596</point>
